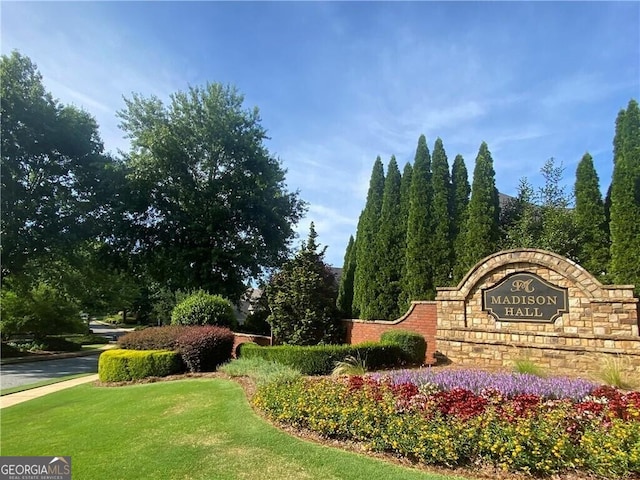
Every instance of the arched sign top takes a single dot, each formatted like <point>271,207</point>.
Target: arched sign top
<point>525,297</point>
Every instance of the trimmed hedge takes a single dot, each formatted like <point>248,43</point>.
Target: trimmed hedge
<point>124,365</point>
<point>413,345</point>
<point>204,348</point>
<point>153,338</point>
<point>202,308</point>
<point>321,359</point>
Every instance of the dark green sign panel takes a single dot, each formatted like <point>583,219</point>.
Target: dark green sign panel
<point>525,297</point>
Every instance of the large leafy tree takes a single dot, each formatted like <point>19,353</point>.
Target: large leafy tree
<point>53,170</point>
<point>460,190</point>
<point>368,225</point>
<point>481,232</point>
<point>442,213</point>
<point>625,198</point>
<point>388,251</point>
<point>302,299</point>
<point>591,222</point>
<point>418,278</point>
<point>209,205</point>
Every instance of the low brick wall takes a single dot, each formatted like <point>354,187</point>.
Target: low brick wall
<point>421,318</point>
<point>601,325</point>
<point>241,338</point>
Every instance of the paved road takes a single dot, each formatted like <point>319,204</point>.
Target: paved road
<point>17,374</point>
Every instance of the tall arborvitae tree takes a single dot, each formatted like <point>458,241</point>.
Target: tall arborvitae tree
<point>405,193</point>
<point>417,283</point>
<point>625,199</point>
<point>368,226</point>
<point>441,210</point>
<point>482,226</point>
<point>345,291</point>
<point>460,190</point>
<point>593,244</point>
<point>388,251</point>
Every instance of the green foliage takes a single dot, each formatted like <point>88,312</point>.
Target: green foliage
<point>613,372</point>
<point>418,273</point>
<point>345,290</point>
<point>442,211</point>
<point>261,371</point>
<point>350,366</point>
<point>52,165</point>
<point>40,311</point>
<point>321,359</point>
<point>87,339</point>
<point>203,348</point>
<point>543,219</point>
<point>385,287</point>
<point>460,190</point>
<point>593,245</point>
<point>202,308</point>
<point>153,338</point>
<point>302,299</point>
<point>413,345</point>
<point>208,201</point>
<point>368,226</point>
<point>528,366</point>
<point>482,227</point>
<point>9,351</point>
<point>625,199</point>
<point>126,365</point>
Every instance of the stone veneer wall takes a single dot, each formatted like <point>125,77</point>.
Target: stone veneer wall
<point>602,321</point>
<point>420,318</point>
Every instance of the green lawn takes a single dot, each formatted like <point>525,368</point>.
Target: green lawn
<point>189,429</point>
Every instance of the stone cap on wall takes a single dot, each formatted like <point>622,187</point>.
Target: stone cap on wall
<point>591,287</point>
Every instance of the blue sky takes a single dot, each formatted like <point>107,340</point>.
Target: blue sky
<point>339,83</point>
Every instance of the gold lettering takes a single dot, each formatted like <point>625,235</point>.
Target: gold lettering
<point>508,311</point>
<point>519,313</point>
<point>538,313</point>
<point>522,286</point>
<point>531,300</point>
<point>552,300</point>
<point>496,299</point>
<point>505,300</point>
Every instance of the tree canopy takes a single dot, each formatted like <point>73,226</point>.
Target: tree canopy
<point>210,206</point>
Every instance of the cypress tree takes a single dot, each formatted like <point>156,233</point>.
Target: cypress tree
<point>460,198</point>
<point>593,244</point>
<point>418,279</point>
<point>482,225</point>
<point>368,226</point>
<point>625,199</point>
<point>388,251</point>
<point>441,208</point>
<point>405,192</point>
<point>345,290</point>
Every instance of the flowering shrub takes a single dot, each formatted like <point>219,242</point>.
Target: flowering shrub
<point>539,434</point>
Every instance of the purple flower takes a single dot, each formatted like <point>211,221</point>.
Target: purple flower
<point>508,384</point>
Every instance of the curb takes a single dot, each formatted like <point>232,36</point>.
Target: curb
<point>56,356</point>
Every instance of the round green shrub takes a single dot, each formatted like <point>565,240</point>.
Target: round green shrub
<point>202,308</point>
<point>412,344</point>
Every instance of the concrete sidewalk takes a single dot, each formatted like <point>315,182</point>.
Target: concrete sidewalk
<point>15,398</point>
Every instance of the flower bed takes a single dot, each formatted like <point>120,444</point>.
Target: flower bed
<point>540,434</point>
